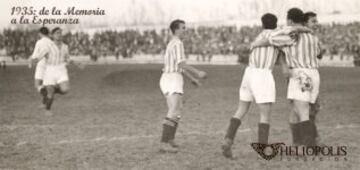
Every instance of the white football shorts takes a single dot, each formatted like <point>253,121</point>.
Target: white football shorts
<point>295,87</point>
<point>259,85</point>
<point>55,75</point>
<point>40,70</point>
<point>171,83</point>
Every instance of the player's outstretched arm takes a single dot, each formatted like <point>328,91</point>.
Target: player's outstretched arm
<point>32,62</point>
<point>193,79</point>
<point>282,37</point>
<point>193,70</point>
<point>187,68</point>
<point>322,51</point>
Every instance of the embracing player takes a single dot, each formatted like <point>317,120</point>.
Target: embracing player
<point>310,21</point>
<point>257,85</point>
<point>304,79</point>
<point>55,54</point>
<point>171,84</point>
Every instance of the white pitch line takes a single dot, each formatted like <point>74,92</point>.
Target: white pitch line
<point>124,138</point>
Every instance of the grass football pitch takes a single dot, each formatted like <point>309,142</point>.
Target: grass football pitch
<point>111,119</point>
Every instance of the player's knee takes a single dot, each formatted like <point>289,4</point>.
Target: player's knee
<point>293,117</point>
<point>265,119</point>
<point>37,83</point>
<point>173,114</point>
<point>314,109</point>
<point>304,116</point>
<point>50,91</point>
<point>239,115</point>
<point>65,90</point>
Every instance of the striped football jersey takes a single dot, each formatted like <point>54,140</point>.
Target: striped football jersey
<point>46,48</point>
<point>300,53</point>
<point>174,55</point>
<point>264,57</point>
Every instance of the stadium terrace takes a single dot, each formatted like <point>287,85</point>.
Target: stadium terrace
<point>74,11</point>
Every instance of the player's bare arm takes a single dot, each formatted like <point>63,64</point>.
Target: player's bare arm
<point>192,78</point>
<point>34,58</point>
<point>193,70</point>
<point>322,51</point>
<point>33,61</point>
<point>292,32</point>
<point>284,67</point>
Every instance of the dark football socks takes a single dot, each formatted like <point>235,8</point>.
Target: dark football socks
<point>308,133</point>
<point>295,133</point>
<point>312,119</point>
<point>43,93</point>
<point>232,129</point>
<point>169,130</point>
<point>173,130</point>
<point>263,133</point>
<point>48,103</point>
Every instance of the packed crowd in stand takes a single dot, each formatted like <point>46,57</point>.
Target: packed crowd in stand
<point>338,39</point>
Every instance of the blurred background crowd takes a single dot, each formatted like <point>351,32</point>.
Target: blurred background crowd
<point>337,39</point>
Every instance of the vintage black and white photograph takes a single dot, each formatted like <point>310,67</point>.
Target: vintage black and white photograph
<point>179,84</point>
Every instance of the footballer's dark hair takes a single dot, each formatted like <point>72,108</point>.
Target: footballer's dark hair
<point>269,21</point>
<point>55,29</point>
<point>296,15</point>
<point>309,15</point>
<point>44,30</point>
<point>174,25</point>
